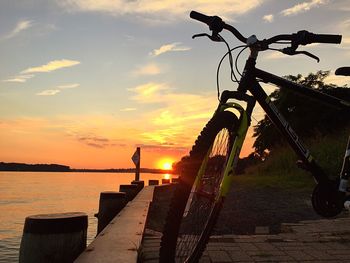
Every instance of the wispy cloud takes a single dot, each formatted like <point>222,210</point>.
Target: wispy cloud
<point>166,9</point>
<point>19,79</point>
<point>303,7</point>
<point>128,109</point>
<point>48,92</point>
<point>149,92</point>
<point>21,26</point>
<point>51,66</point>
<point>69,86</point>
<point>60,88</point>
<point>169,48</point>
<point>149,69</point>
<point>268,18</point>
<point>95,141</point>
<point>176,113</point>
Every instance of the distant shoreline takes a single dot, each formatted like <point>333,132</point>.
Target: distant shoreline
<point>23,167</point>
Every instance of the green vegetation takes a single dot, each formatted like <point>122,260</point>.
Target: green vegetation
<point>280,169</point>
<point>306,115</point>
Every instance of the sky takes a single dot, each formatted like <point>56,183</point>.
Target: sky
<point>85,82</point>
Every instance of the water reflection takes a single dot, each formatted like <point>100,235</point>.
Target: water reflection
<point>29,193</point>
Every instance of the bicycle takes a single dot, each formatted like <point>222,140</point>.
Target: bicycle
<point>207,173</point>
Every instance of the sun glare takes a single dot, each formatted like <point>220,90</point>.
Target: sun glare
<point>165,164</point>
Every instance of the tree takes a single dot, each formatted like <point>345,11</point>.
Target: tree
<point>306,115</point>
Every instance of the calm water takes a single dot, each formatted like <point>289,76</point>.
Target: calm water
<point>29,193</point>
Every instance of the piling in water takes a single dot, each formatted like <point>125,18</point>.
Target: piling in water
<point>165,181</point>
<point>111,203</point>
<point>140,184</point>
<point>153,182</point>
<point>174,180</point>
<point>130,190</point>
<point>54,238</point>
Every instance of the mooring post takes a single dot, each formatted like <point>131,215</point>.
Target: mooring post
<point>56,238</point>
<point>140,184</point>
<point>165,181</point>
<point>111,203</point>
<point>130,190</point>
<point>153,182</point>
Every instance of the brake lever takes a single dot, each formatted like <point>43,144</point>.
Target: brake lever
<point>213,37</point>
<point>291,51</point>
<point>306,53</point>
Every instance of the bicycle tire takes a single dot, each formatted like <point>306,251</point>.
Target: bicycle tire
<point>175,225</point>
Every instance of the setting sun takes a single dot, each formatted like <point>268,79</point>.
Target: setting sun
<point>165,164</point>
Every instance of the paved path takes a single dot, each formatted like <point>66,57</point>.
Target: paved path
<point>119,240</point>
<point>308,241</point>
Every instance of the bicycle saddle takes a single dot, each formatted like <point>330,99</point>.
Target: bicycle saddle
<point>345,71</point>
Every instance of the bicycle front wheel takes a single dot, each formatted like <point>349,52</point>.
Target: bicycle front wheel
<point>196,203</point>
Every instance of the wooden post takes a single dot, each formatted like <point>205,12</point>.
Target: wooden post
<point>174,180</point>
<point>140,184</point>
<point>153,182</point>
<point>165,181</point>
<point>56,238</point>
<point>111,203</point>
<point>130,190</point>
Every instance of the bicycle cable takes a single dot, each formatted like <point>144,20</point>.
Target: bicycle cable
<point>236,60</point>
<point>229,52</point>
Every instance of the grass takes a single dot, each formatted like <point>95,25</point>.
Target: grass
<point>280,170</point>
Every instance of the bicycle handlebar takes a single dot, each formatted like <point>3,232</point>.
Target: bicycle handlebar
<point>303,37</point>
<point>216,24</point>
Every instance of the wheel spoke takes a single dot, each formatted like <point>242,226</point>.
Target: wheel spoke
<point>202,198</point>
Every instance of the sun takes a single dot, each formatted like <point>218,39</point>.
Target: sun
<point>167,166</point>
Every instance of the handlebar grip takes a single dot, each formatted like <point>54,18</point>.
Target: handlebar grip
<point>324,38</point>
<point>201,17</point>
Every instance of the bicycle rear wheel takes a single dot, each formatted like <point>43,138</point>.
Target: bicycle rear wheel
<point>195,207</point>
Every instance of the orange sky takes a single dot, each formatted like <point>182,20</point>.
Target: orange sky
<point>83,83</point>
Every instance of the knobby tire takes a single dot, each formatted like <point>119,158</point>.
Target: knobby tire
<point>178,219</point>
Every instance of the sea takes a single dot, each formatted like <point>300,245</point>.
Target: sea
<point>30,193</point>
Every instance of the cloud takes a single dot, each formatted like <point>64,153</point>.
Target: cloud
<point>268,18</point>
<point>149,69</point>
<point>48,92</point>
<point>21,26</point>
<point>149,92</point>
<point>169,48</point>
<point>19,79</point>
<point>303,7</point>
<point>52,92</point>
<point>69,86</point>
<point>51,66</point>
<point>177,113</point>
<point>94,141</point>
<point>337,80</point>
<point>128,109</point>
<point>166,149</point>
<point>167,9</point>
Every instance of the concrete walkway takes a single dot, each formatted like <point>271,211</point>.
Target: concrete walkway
<point>307,241</point>
<point>120,240</point>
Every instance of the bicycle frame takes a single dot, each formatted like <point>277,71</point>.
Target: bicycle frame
<point>249,83</point>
